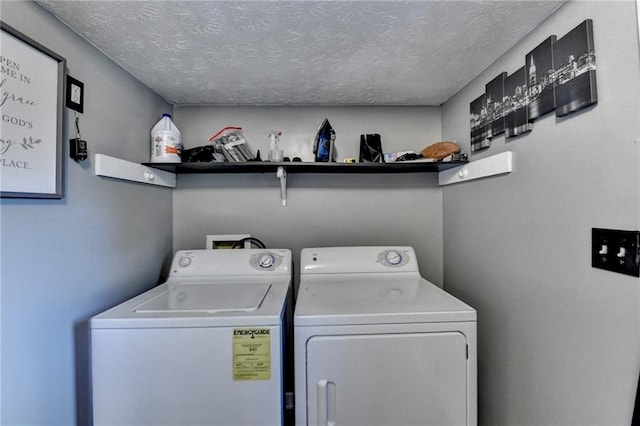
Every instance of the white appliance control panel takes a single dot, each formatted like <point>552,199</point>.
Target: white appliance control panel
<point>267,261</point>
<point>196,263</point>
<point>393,258</point>
<point>342,260</point>
<point>184,261</point>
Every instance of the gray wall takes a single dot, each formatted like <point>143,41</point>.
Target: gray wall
<point>66,260</point>
<point>558,339</point>
<point>322,209</point>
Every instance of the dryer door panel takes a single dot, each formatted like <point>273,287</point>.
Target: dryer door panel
<point>387,379</point>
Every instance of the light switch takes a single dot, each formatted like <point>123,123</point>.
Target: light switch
<point>616,250</point>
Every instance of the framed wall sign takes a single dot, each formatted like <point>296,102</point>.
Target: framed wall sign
<point>31,108</point>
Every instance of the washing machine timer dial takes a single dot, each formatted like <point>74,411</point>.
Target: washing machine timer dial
<point>393,258</point>
<point>184,261</point>
<point>267,261</point>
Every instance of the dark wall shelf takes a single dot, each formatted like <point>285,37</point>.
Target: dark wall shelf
<point>164,174</point>
<point>296,167</point>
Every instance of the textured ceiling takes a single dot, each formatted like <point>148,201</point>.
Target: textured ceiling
<point>303,52</point>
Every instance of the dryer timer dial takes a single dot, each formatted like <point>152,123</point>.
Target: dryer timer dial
<point>393,258</point>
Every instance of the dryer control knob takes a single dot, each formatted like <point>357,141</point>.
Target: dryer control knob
<point>184,261</point>
<point>393,257</point>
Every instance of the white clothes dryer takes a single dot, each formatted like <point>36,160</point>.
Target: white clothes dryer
<point>377,344</point>
<point>204,348</point>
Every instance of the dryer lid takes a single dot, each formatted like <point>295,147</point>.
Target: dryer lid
<point>236,297</point>
<point>375,299</point>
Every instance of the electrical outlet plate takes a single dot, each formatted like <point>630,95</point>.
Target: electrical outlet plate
<point>616,250</point>
<point>75,94</point>
<point>225,241</point>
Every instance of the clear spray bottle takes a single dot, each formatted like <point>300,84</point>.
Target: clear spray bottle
<point>275,154</point>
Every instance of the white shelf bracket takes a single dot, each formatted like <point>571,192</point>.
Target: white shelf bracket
<point>126,170</point>
<point>281,173</point>
<point>498,164</point>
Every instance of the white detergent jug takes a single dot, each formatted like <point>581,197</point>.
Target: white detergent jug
<point>166,141</point>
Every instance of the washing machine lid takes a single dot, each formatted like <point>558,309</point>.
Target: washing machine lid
<point>375,299</point>
<point>233,301</point>
<point>217,298</point>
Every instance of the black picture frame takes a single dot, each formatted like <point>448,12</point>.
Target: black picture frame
<point>558,75</point>
<point>540,77</point>
<point>494,92</point>
<point>478,119</point>
<point>516,120</point>
<point>33,92</point>
<point>75,94</point>
<point>575,60</point>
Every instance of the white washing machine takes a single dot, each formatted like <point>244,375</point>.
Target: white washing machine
<point>204,348</point>
<point>376,344</point>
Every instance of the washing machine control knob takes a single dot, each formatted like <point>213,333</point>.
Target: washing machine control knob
<point>266,261</point>
<point>184,261</point>
<point>394,257</point>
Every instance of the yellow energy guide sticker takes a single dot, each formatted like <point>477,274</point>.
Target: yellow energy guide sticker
<point>251,354</point>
